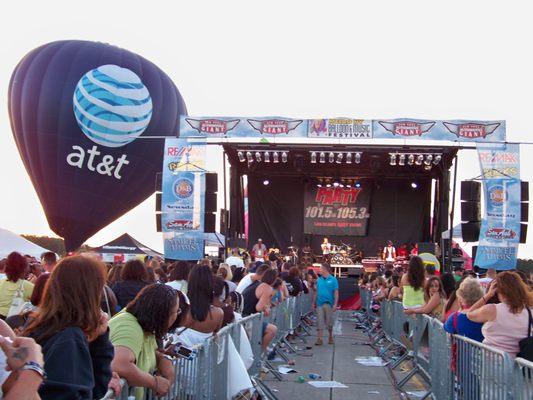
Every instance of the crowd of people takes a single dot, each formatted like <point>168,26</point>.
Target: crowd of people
<point>492,308</point>
<point>72,328</point>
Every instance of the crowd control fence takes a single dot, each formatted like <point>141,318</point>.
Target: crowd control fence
<point>205,376</point>
<point>455,367</point>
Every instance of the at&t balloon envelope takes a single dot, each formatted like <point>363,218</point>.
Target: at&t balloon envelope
<point>82,114</point>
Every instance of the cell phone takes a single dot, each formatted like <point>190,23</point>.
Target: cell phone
<point>184,352</point>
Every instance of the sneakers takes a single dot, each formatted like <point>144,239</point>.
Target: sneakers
<point>330,340</point>
<point>319,342</point>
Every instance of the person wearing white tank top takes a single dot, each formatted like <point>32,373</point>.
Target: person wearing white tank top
<point>506,323</point>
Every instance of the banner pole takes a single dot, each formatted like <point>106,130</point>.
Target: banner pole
<point>226,213</point>
<point>452,213</point>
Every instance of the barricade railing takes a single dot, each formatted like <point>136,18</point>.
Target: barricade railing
<point>457,367</point>
<point>522,379</point>
<point>205,376</point>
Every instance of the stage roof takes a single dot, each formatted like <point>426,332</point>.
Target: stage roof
<point>374,159</point>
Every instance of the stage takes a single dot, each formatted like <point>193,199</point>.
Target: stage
<point>358,196</point>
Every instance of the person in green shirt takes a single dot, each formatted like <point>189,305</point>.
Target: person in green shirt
<point>134,333</point>
<point>16,269</point>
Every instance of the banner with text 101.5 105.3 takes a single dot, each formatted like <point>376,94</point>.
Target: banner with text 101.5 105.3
<point>182,200</point>
<point>336,210</point>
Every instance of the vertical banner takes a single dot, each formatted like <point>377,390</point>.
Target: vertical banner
<point>183,199</point>
<point>246,213</point>
<point>500,228</point>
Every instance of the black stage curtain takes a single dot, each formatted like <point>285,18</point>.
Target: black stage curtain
<point>397,212</point>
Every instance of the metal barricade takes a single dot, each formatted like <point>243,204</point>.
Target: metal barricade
<point>522,379</point>
<point>481,372</point>
<point>440,361</point>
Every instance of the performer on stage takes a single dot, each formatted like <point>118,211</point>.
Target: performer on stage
<point>259,250</point>
<point>389,252</point>
<point>326,247</point>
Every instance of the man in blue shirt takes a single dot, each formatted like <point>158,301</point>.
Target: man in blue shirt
<point>326,299</point>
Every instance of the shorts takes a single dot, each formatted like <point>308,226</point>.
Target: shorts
<point>324,315</point>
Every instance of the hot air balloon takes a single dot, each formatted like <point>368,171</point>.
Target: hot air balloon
<point>82,114</point>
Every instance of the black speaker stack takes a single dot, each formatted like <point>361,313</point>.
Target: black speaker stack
<point>470,210</point>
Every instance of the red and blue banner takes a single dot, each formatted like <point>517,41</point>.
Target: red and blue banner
<point>500,228</point>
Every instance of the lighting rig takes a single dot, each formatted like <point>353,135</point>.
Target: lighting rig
<point>427,159</point>
<point>339,157</point>
<point>266,156</point>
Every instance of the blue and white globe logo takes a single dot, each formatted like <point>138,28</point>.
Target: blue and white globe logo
<point>112,105</point>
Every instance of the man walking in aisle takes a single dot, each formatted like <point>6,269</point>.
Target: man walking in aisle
<point>326,299</point>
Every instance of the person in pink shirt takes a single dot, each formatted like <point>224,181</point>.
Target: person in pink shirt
<point>507,322</point>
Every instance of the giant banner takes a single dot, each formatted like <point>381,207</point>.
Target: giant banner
<point>500,229</point>
<point>343,128</point>
<point>336,210</point>
<point>182,200</point>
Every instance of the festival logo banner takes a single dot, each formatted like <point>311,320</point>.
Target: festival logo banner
<point>182,200</point>
<point>340,128</point>
<point>336,211</point>
<point>500,228</point>
<point>454,130</point>
<point>266,127</point>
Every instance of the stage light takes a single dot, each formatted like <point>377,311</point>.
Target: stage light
<point>437,159</point>
<point>249,157</point>
<point>275,157</point>
<point>313,158</point>
<point>336,184</point>
<point>258,156</point>
<point>322,158</point>
<point>331,157</point>
<point>419,159</point>
<point>328,182</point>
<point>349,183</point>
<point>402,160</point>
<point>411,159</point>
<point>284,157</point>
<point>357,158</point>
<point>414,185</point>
<point>339,158</point>
<point>428,160</point>
<point>240,154</point>
<point>428,167</point>
<point>266,182</point>
<point>348,158</point>
<point>357,184</point>
<point>319,184</point>
<point>392,159</point>
<point>267,156</point>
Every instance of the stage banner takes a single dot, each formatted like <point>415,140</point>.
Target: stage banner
<point>183,198</point>
<point>500,228</point>
<point>336,211</point>
<point>453,130</point>
<point>340,128</point>
<point>343,128</point>
<point>231,127</point>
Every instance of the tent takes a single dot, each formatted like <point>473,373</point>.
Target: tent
<point>125,248</point>
<point>10,242</point>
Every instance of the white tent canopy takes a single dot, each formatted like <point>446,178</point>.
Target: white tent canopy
<point>10,242</point>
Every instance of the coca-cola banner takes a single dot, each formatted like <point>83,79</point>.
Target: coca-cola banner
<point>336,210</point>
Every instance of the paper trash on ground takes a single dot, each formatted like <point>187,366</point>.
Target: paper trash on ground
<point>285,369</point>
<point>327,384</point>
<point>370,361</point>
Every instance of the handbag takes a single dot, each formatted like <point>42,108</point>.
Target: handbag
<point>526,344</point>
<point>18,303</point>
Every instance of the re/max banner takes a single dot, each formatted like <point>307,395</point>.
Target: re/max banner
<point>500,228</point>
<point>182,200</point>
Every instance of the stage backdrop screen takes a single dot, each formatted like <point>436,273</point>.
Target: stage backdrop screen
<point>336,210</point>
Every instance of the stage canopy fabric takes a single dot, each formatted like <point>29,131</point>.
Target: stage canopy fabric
<point>128,246</point>
<point>10,242</point>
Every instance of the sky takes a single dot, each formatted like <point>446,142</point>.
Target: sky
<point>304,59</point>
